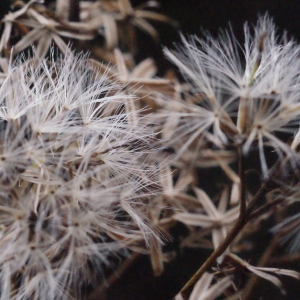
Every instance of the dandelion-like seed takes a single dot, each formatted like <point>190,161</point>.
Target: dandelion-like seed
<point>246,94</point>
<point>74,171</point>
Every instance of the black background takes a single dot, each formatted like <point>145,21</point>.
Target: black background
<point>194,17</point>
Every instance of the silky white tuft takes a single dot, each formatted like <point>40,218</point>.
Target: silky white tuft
<point>74,175</point>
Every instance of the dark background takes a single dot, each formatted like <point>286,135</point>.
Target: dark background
<point>194,17</point>
<point>214,14</point>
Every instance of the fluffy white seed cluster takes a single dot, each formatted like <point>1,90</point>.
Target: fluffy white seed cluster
<point>74,170</point>
<point>247,94</point>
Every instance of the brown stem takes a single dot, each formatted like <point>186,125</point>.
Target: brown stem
<point>255,200</point>
<point>284,259</point>
<point>274,170</point>
<point>186,290</point>
<point>238,226</point>
<point>265,207</point>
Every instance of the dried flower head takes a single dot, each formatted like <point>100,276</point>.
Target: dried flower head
<point>75,173</point>
<point>238,94</point>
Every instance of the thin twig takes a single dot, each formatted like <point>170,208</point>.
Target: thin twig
<point>238,226</point>
<point>186,290</point>
<point>285,259</point>
<point>266,207</point>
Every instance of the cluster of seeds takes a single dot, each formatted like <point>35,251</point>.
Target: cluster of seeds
<point>74,169</point>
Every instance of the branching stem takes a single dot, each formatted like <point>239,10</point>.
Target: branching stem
<point>238,226</point>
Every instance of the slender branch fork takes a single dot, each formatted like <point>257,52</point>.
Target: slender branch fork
<point>244,216</point>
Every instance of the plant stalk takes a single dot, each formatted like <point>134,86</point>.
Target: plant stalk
<point>238,226</point>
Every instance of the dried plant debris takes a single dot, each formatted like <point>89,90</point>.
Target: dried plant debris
<point>75,176</point>
<point>40,24</point>
<point>233,109</point>
<point>102,160</point>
